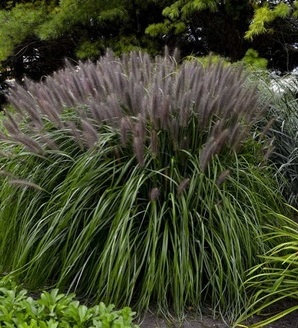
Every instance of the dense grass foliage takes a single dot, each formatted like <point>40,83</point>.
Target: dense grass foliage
<point>136,181</point>
<point>275,279</point>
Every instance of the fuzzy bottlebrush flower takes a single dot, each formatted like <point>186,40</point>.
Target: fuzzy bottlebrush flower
<point>136,91</point>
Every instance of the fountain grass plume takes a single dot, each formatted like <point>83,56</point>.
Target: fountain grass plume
<point>155,94</point>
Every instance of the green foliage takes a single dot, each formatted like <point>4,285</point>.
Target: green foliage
<point>17,25</point>
<point>71,12</point>
<point>275,279</point>
<point>89,50</point>
<point>182,10</point>
<point>210,59</point>
<point>264,12</point>
<point>136,181</point>
<point>230,28</point>
<point>189,7</point>
<point>252,59</point>
<point>295,14</point>
<point>87,24</point>
<point>52,309</point>
<point>177,14</point>
<point>166,27</point>
<point>265,15</point>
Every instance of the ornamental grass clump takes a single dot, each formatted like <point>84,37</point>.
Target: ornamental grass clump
<point>136,181</point>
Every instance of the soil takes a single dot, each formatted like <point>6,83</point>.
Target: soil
<point>153,321</point>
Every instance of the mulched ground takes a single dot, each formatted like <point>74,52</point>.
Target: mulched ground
<point>153,321</point>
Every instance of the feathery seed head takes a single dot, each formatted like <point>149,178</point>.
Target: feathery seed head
<point>208,102</point>
<point>222,177</point>
<point>183,186</point>
<point>154,194</point>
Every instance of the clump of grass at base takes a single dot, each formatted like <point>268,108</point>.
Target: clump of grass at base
<point>137,181</point>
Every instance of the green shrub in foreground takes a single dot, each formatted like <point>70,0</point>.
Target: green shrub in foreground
<point>137,181</point>
<point>51,310</point>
